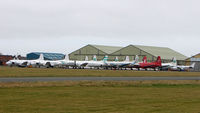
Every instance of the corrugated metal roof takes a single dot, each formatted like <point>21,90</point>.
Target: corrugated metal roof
<point>107,49</point>
<point>164,52</point>
<point>193,56</point>
<point>49,56</point>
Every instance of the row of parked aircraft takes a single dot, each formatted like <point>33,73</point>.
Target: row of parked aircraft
<point>102,64</point>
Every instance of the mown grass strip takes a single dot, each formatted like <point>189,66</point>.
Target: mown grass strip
<point>57,72</point>
<point>163,83</point>
<point>103,97</point>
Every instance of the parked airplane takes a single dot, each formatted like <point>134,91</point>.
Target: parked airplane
<point>81,64</point>
<point>166,66</point>
<point>118,64</point>
<point>17,62</point>
<point>135,63</point>
<point>38,62</point>
<point>62,63</point>
<point>97,64</point>
<point>182,67</point>
<point>67,63</point>
<point>146,64</point>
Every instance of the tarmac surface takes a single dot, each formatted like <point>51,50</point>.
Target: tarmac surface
<point>46,79</point>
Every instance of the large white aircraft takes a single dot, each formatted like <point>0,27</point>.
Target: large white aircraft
<point>97,64</point>
<point>120,64</point>
<point>166,66</point>
<point>38,62</point>
<point>81,64</point>
<point>17,62</point>
<point>65,62</point>
<point>136,63</point>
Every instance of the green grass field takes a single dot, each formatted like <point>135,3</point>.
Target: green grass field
<point>100,97</point>
<point>49,72</point>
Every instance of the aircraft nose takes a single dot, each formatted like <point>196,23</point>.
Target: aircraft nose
<point>7,63</point>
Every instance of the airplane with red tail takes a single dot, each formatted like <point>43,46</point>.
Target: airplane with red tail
<point>152,65</point>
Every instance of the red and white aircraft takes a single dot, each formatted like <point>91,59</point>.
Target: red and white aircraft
<point>146,64</point>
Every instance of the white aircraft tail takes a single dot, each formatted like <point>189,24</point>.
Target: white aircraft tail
<point>174,62</point>
<point>136,60</point>
<point>41,57</point>
<point>67,57</point>
<point>86,58</point>
<point>105,59</point>
<point>116,59</point>
<point>192,66</point>
<point>127,59</point>
<point>94,58</point>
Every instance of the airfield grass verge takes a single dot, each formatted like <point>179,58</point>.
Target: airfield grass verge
<point>102,83</point>
<point>57,72</point>
<point>100,97</point>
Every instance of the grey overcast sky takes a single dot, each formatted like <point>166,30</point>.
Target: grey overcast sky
<point>66,25</point>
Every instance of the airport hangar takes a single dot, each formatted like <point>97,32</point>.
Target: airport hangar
<point>194,59</point>
<point>131,50</point>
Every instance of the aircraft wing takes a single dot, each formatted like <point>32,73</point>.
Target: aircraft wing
<point>23,64</point>
<point>163,66</point>
<point>180,68</point>
<point>124,65</point>
<point>84,64</point>
<point>149,66</point>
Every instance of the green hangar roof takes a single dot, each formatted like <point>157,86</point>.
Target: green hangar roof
<point>151,51</point>
<point>164,52</point>
<point>107,49</point>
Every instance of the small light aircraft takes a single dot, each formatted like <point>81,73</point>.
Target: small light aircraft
<point>182,67</point>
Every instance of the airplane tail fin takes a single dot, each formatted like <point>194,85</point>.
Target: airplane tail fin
<point>94,58</point>
<point>145,59</point>
<point>136,60</point>
<point>192,66</point>
<point>174,61</point>
<point>41,57</point>
<point>116,59</point>
<point>127,59</point>
<point>159,60</point>
<point>86,58</point>
<point>15,58</point>
<point>105,59</point>
<point>67,57</point>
